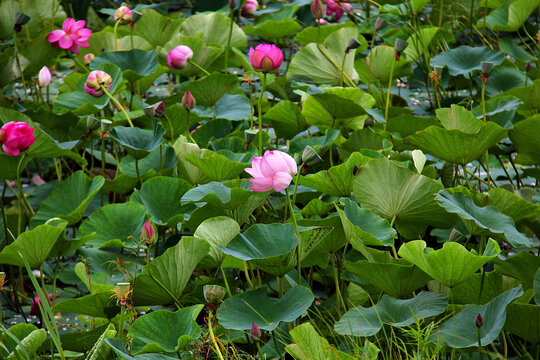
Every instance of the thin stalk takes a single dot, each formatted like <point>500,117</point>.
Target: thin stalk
<point>338,290</point>
<point>137,170</point>
<point>187,131</point>
<point>480,343</point>
<point>248,278</point>
<point>342,67</point>
<point>388,94</point>
<point>102,166</point>
<point>225,281</point>
<point>259,116</point>
<point>199,67</point>
<point>212,337</point>
<point>485,122</point>
<point>121,321</point>
<point>229,42</point>
<point>329,58</point>
<point>21,195</point>
<point>175,300</point>
<point>115,29</point>
<point>171,127</point>
<point>467,178</point>
<point>275,345</point>
<point>118,105</point>
<point>299,245</point>
<point>259,350</point>
<point>160,159</point>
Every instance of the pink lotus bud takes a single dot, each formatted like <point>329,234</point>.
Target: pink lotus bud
<point>148,234</point>
<point>274,170</point>
<point>250,7</point>
<point>16,137</point>
<point>123,13</point>
<point>188,101</point>
<point>95,80</point>
<point>36,179</point>
<point>179,57</point>
<point>479,320</point>
<point>265,58</point>
<point>255,332</point>
<point>44,77</point>
<point>156,110</point>
<point>72,35</point>
<point>36,303</point>
<point>88,58</point>
<point>317,9</point>
<point>232,4</point>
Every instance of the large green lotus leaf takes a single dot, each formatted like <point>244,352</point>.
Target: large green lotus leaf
<point>522,266</point>
<point>524,138</point>
<point>487,220</point>
<point>133,63</point>
<point>163,279</point>
<point>330,110</point>
<point>155,28</point>
<point>148,335</point>
<point>79,102</point>
<point>161,196</point>
<point>366,138</point>
<point>338,180</point>
<point>399,194</point>
<point>365,226</point>
<point>298,144</point>
<point>215,166</point>
<point>35,245</point>
<point>28,345</point>
<point>504,78</point>
<point>377,66</point>
<point>237,202</point>
<point>308,345</point>
<point>512,15</point>
<point>40,14</point>
<point>115,225</point>
<point>361,321</point>
<point>240,311</point>
<point>20,331</point>
<point>175,124</point>
<point>286,118</point>
<point>119,348</point>
<point>271,247</point>
<point>203,55</point>
<point>459,118</point>
<point>69,199</point>
<point>208,90</point>
<point>138,142</point>
<point>44,146</point>
<point>461,332</point>
<point>527,94</point>
<point>99,304</point>
<point>408,124</point>
<point>513,204</point>
<point>455,145</point>
<point>321,63</point>
<point>335,240</point>
<point>422,40</point>
<point>273,29</point>
<point>314,34</point>
<point>9,165</point>
<point>450,265</point>
<point>213,28</point>
<point>217,231</point>
<point>523,320</point>
<point>463,60</point>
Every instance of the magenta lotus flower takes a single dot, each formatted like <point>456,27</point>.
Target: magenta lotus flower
<point>273,170</point>
<point>123,13</point>
<point>36,303</point>
<point>72,35</point>
<point>44,77</point>
<point>249,8</point>
<point>179,57</point>
<point>93,83</point>
<point>148,233</point>
<point>265,58</point>
<point>16,137</point>
<point>337,9</point>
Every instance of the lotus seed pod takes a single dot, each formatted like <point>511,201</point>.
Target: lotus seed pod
<point>310,156</point>
<point>214,294</point>
<point>400,45</point>
<point>106,125</point>
<point>379,24</point>
<point>353,43</point>
<point>92,123</point>
<point>249,135</point>
<point>20,20</point>
<point>486,66</point>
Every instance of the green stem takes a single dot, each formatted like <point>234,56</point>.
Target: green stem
<point>387,105</point>
<point>21,195</point>
<point>190,138</point>
<point>171,127</point>
<point>160,159</point>
<point>259,350</point>
<point>329,58</point>
<point>259,116</point>
<point>341,69</point>
<point>199,67</point>
<point>115,35</point>
<point>225,281</point>
<point>175,300</point>
<point>121,322</point>
<point>211,332</point>
<point>336,281</point>
<point>485,122</point>
<point>102,166</point>
<point>229,42</point>
<point>118,105</point>
<point>299,245</point>
<point>248,278</point>
<point>480,343</point>
<point>137,170</point>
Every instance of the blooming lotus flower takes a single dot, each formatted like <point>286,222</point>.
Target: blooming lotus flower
<point>123,13</point>
<point>72,35</point>
<point>93,83</point>
<point>44,77</point>
<point>337,10</point>
<point>179,57</point>
<point>265,58</point>
<point>88,58</point>
<point>16,137</point>
<point>273,170</point>
<point>249,8</point>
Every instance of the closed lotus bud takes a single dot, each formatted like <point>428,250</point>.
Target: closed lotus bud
<point>92,123</point>
<point>400,45</point>
<point>379,24</point>
<point>2,280</point>
<point>255,332</point>
<point>232,4</point>
<point>148,234</point>
<point>106,125</point>
<point>486,66</point>
<point>249,135</point>
<point>44,77</point>
<point>528,67</point>
<point>353,43</point>
<point>214,294</point>
<point>88,58</point>
<point>317,9</point>
<point>310,156</point>
<point>188,101</point>
<point>20,20</point>
<point>479,321</point>
<point>135,16</point>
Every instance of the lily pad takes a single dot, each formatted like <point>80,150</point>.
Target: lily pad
<point>217,231</point>
<point>208,90</point>
<point>522,266</point>
<point>523,320</point>
<point>463,60</point>
<point>99,304</point>
<point>138,142</point>
<point>134,63</point>
<point>512,15</point>
<point>308,345</point>
<point>523,138</point>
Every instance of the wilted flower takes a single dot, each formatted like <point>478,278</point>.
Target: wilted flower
<point>2,280</point>
<point>265,58</point>
<point>188,101</point>
<point>179,57</point>
<point>352,44</point>
<point>249,8</point>
<point>44,77</point>
<point>273,170</point>
<point>36,179</point>
<point>214,294</point>
<point>121,291</point>
<point>148,234</point>
<point>16,137</point>
<point>95,80</point>
<point>72,35</point>
<point>255,332</point>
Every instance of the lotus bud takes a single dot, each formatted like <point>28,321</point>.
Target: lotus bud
<point>148,234</point>
<point>92,123</point>
<point>352,44</point>
<point>188,101</point>
<point>486,66</point>
<point>479,320</point>
<point>255,332</point>
<point>135,16</point>
<point>249,135</point>
<point>20,20</point>
<point>528,67</point>
<point>44,77</point>
<point>96,82</point>
<point>2,280</point>
<point>214,294</point>
<point>106,125</point>
<point>317,9</point>
<point>379,24</point>
<point>123,14</point>
<point>88,58</point>
<point>310,156</point>
<point>355,170</point>
<point>232,4</point>
<point>156,110</point>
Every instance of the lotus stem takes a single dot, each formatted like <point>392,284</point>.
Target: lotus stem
<point>115,29</point>
<point>259,116</point>
<point>485,122</point>
<point>211,332</point>
<point>388,94</point>
<point>298,238</point>
<point>229,42</point>
<point>199,67</point>
<point>118,105</point>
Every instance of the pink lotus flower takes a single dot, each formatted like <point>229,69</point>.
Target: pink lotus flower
<point>16,137</point>
<point>249,8</point>
<point>123,13</point>
<point>273,170</point>
<point>93,83</point>
<point>317,9</point>
<point>88,58</point>
<point>179,57</point>
<point>44,77</point>
<point>72,35</point>
<point>34,307</point>
<point>337,9</point>
<point>148,233</point>
<point>265,57</point>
